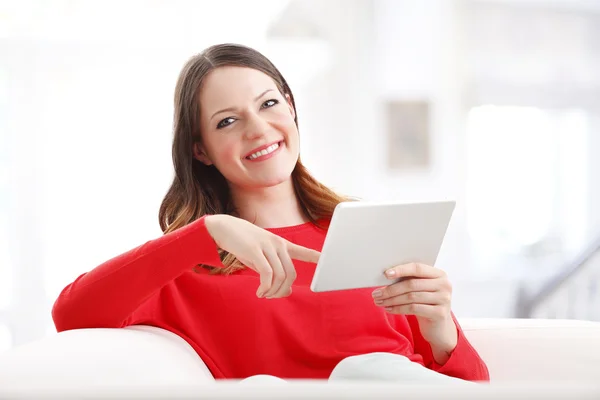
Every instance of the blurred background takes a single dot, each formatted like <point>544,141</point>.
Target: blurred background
<point>494,103</point>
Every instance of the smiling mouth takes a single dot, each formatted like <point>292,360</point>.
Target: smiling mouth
<point>264,152</point>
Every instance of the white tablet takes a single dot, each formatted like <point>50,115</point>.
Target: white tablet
<point>365,239</point>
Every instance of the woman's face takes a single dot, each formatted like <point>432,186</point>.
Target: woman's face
<point>247,128</point>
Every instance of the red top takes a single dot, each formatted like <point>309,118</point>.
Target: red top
<point>235,333</point>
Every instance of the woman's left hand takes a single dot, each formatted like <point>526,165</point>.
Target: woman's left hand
<point>426,293</point>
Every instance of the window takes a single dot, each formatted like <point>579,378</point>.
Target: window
<point>527,185</point>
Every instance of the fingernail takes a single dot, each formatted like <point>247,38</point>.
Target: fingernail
<point>377,293</point>
<point>259,295</point>
<point>379,302</point>
<point>388,309</point>
<point>390,272</point>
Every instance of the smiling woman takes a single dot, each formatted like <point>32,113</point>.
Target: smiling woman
<point>236,138</point>
<point>244,207</point>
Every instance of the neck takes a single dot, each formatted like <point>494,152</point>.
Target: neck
<point>271,207</point>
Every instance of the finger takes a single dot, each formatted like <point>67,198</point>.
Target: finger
<point>290,274</point>
<point>416,270</point>
<point>420,310</point>
<point>278,276</point>
<point>407,286</point>
<point>431,298</point>
<point>262,266</point>
<point>302,253</point>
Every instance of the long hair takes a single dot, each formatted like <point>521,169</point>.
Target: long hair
<point>198,189</point>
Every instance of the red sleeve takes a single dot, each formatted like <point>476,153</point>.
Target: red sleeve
<point>108,294</point>
<point>464,362</point>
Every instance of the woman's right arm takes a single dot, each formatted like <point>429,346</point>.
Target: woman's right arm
<point>110,293</point>
<point>107,295</point>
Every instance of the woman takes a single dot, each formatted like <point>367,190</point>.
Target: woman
<point>244,222</point>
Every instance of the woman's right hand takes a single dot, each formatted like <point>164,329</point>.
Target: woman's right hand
<point>258,249</point>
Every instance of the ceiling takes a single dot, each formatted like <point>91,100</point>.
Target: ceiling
<point>156,21</point>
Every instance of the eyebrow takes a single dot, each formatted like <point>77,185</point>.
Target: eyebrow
<point>233,108</point>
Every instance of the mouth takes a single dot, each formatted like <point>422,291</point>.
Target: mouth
<point>264,152</point>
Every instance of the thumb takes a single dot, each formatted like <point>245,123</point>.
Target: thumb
<point>303,253</point>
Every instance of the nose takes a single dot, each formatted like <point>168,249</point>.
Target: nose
<point>256,127</point>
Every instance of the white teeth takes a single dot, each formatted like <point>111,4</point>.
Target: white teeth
<point>266,151</point>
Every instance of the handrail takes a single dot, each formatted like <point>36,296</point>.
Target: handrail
<point>527,303</point>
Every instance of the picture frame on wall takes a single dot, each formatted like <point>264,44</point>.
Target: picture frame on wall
<point>408,135</point>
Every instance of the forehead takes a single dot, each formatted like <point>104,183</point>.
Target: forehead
<point>226,86</point>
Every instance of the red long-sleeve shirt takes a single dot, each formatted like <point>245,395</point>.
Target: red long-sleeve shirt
<point>235,333</point>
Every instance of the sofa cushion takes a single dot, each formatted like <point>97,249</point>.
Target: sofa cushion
<point>133,356</point>
<point>536,349</point>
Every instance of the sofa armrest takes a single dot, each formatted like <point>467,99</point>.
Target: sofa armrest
<point>133,356</point>
<point>143,356</point>
<point>536,349</point>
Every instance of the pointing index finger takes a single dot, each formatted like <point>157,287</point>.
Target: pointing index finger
<point>414,270</point>
<point>297,252</point>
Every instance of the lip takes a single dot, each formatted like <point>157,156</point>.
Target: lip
<point>263,147</point>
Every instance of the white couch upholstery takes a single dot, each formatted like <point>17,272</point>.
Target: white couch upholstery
<point>112,361</point>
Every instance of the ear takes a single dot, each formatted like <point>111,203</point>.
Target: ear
<point>200,155</point>
<point>290,105</point>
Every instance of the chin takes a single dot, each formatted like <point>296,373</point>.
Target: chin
<point>276,174</point>
<point>273,181</point>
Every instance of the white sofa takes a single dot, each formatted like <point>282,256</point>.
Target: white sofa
<point>526,358</point>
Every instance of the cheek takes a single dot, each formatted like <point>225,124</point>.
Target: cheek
<point>228,153</point>
<point>224,151</point>
<point>282,116</point>
<point>292,133</point>
<point>287,124</point>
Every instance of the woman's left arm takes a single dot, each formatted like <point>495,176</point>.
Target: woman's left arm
<point>423,294</point>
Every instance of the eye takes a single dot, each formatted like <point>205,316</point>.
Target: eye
<point>269,103</point>
<point>225,122</point>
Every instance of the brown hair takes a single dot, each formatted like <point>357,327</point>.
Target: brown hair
<point>198,189</point>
